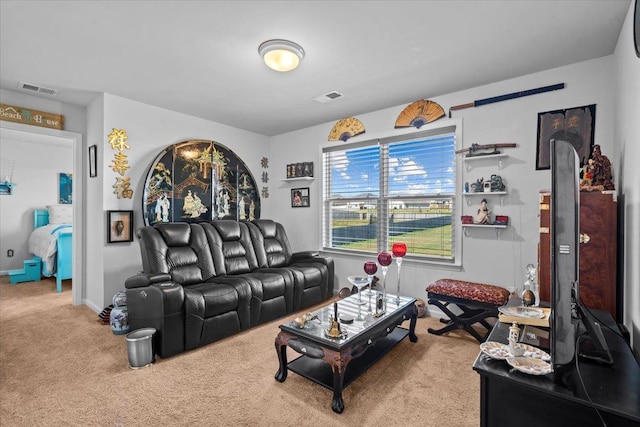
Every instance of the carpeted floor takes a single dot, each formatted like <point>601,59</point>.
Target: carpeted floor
<point>60,367</point>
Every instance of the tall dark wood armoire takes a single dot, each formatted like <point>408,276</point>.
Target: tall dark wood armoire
<point>598,252</point>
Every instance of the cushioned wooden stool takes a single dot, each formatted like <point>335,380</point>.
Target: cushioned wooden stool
<point>477,301</point>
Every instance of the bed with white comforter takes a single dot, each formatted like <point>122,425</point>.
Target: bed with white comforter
<point>43,242</point>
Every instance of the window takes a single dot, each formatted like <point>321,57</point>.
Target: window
<point>399,189</point>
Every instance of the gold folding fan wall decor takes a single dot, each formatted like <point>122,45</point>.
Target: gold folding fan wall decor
<point>419,113</point>
<point>345,129</point>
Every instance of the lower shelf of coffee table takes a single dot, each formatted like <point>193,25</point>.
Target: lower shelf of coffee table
<point>319,371</point>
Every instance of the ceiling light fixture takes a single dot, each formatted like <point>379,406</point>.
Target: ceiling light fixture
<point>281,55</point>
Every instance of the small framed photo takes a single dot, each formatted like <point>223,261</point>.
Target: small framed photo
<point>119,226</point>
<point>307,169</point>
<point>93,161</point>
<point>300,197</point>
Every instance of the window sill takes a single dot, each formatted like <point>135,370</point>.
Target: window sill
<point>407,260</point>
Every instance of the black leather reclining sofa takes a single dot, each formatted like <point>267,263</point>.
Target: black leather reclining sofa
<point>204,281</point>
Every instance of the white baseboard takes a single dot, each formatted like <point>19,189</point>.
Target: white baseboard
<point>92,306</point>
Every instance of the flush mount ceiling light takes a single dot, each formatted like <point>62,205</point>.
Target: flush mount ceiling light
<point>281,55</point>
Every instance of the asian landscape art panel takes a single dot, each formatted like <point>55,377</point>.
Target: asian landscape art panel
<point>199,180</point>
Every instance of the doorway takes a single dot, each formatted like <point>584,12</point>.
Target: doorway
<point>18,131</point>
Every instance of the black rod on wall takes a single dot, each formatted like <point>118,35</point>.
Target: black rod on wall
<point>506,97</point>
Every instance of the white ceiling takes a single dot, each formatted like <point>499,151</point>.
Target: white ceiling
<point>201,57</point>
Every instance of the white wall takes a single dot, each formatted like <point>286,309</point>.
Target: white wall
<point>150,129</point>
<point>36,168</point>
<point>626,81</point>
<point>94,230</point>
<point>485,258</point>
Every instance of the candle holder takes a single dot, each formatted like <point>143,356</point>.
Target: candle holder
<point>384,259</point>
<point>399,250</point>
<point>370,268</point>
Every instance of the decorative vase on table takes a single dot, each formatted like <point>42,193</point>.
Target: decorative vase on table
<point>370,268</point>
<point>399,251</point>
<point>384,259</point>
<point>119,317</point>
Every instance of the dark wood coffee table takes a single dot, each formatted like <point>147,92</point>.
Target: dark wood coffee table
<point>336,362</point>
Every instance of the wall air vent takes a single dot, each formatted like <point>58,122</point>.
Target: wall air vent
<point>328,97</point>
<point>39,89</point>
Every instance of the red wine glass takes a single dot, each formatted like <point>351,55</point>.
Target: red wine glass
<point>370,268</point>
<point>399,250</point>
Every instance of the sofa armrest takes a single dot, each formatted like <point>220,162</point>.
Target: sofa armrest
<point>154,301</point>
<point>305,255</point>
<point>315,257</point>
<point>145,279</point>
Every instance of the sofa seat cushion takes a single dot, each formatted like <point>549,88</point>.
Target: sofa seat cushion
<point>272,285</point>
<point>266,285</point>
<point>210,299</point>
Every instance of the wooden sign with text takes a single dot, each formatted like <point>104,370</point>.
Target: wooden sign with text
<point>11,113</point>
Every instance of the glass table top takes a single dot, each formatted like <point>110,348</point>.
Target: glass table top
<point>316,328</point>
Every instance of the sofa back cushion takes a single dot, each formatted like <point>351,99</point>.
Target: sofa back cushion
<point>273,242</point>
<point>180,249</point>
<point>235,247</point>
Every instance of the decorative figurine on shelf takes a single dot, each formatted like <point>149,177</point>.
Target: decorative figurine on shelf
<point>496,183</point>
<point>514,335</point>
<point>483,216</point>
<point>478,186</point>
<point>585,175</point>
<point>601,170</point>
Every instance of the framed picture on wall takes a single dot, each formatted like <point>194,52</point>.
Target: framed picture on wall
<point>574,125</point>
<point>119,226</point>
<point>93,161</point>
<point>65,188</point>
<point>300,197</point>
<point>636,27</point>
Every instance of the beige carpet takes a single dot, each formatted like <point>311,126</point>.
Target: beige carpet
<point>60,367</point>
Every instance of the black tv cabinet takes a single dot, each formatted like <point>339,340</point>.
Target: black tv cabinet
<point>509,397</point>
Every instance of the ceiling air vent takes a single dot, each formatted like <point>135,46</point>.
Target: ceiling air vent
<point>39,89</point>
<point>328,97</point>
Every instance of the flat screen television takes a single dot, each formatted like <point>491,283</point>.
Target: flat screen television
<point>569,317</point>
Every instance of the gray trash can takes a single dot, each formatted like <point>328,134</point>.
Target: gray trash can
<point>140,347</point>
